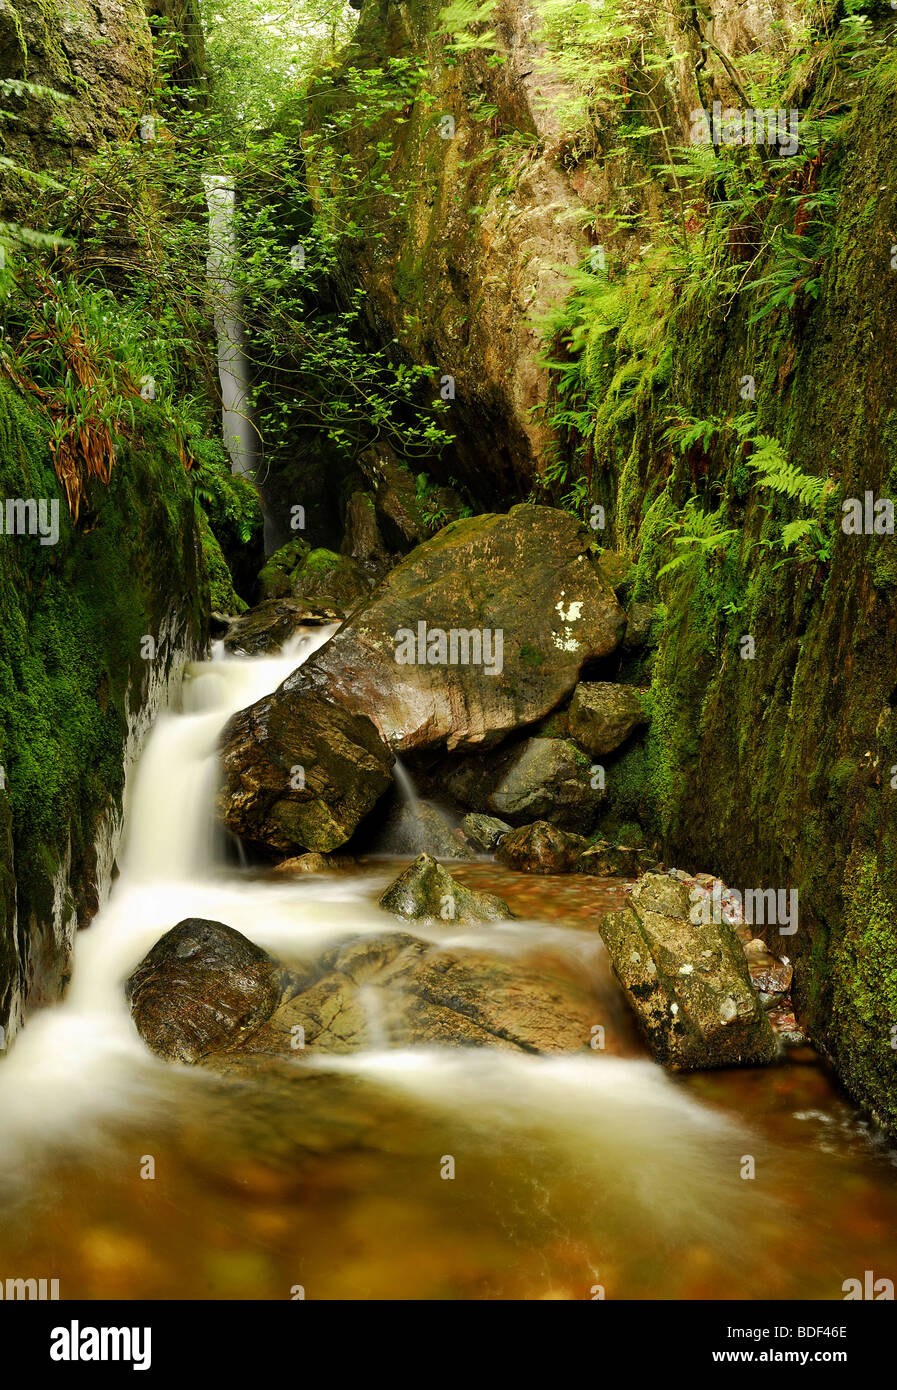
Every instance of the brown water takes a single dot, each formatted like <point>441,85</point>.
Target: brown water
<point>569,1173</point>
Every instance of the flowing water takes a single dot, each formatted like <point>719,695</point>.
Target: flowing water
<point>401,1172</point>
<point>233,364</point>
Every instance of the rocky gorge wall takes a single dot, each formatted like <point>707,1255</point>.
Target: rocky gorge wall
<point>95,623</point>
<point>94,629</point>
<point>763,294</point>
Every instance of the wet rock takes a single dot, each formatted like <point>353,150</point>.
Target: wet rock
<point>396,990</point>
<point>270,624</point>
<point>202,988</point>
<point>313,864</point>
<point>427,892</point>
<point>548,779</point>
<point>688,984</point>
<point>420,829</point>
<point>616,861</point>
<point>526,580</point>
<point>640,621</point>
<point>541,848</point>
<point>324,577</point>
<point>484,832</point>
<point>362,540</point>
<point>603,715</point>
<point>785,1026</point>
<point>300,772</point>
<point>768,974</point>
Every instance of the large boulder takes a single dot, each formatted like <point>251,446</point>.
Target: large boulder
<point>688,983</point>
<point>300,772</point>
<point>508,609</point>
<point>603,715</point>
<point>202,988</point>
<point>526,605</point>
<point>425,891</point>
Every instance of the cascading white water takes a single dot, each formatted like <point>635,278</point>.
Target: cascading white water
<point>82,1059</point>
<point>233,367</point>
<point>81,1063</point>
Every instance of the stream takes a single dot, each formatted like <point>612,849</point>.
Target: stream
<point>402,1172</point>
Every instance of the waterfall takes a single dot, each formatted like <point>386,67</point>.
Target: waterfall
<point>233,367</point>
<point>407,789</point>
<point>81,1062</point>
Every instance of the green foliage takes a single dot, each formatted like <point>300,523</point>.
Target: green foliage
<point>697,531</point>
<point>698,534</point>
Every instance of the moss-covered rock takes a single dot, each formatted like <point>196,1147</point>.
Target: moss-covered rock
<point>223,597</point>
<point>688,984</point>
<point>425,891</point>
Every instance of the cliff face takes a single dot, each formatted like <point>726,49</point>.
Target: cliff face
<point>93,630</point>
<point>93,624</point>
<point>470,254</point>
<point>98,56</point>
<point>499,187</point>
<point>749,298</point>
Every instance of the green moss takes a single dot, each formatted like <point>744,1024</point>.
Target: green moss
<point>75,617</point>
<point>531,656</point>
<point>864,993</point>
<point>222,594</point>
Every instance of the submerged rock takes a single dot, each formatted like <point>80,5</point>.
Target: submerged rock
<point>203,987</point>
<point>427,892</point>
<point>616,861</point>
<point>396,990</point>
<point>484,832</point>
<point>688,984</point>
<point>300,772</point>
<point>313,864</point>
<point>541,848</point>
<point>206,994</point>
<point>603,715</point>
